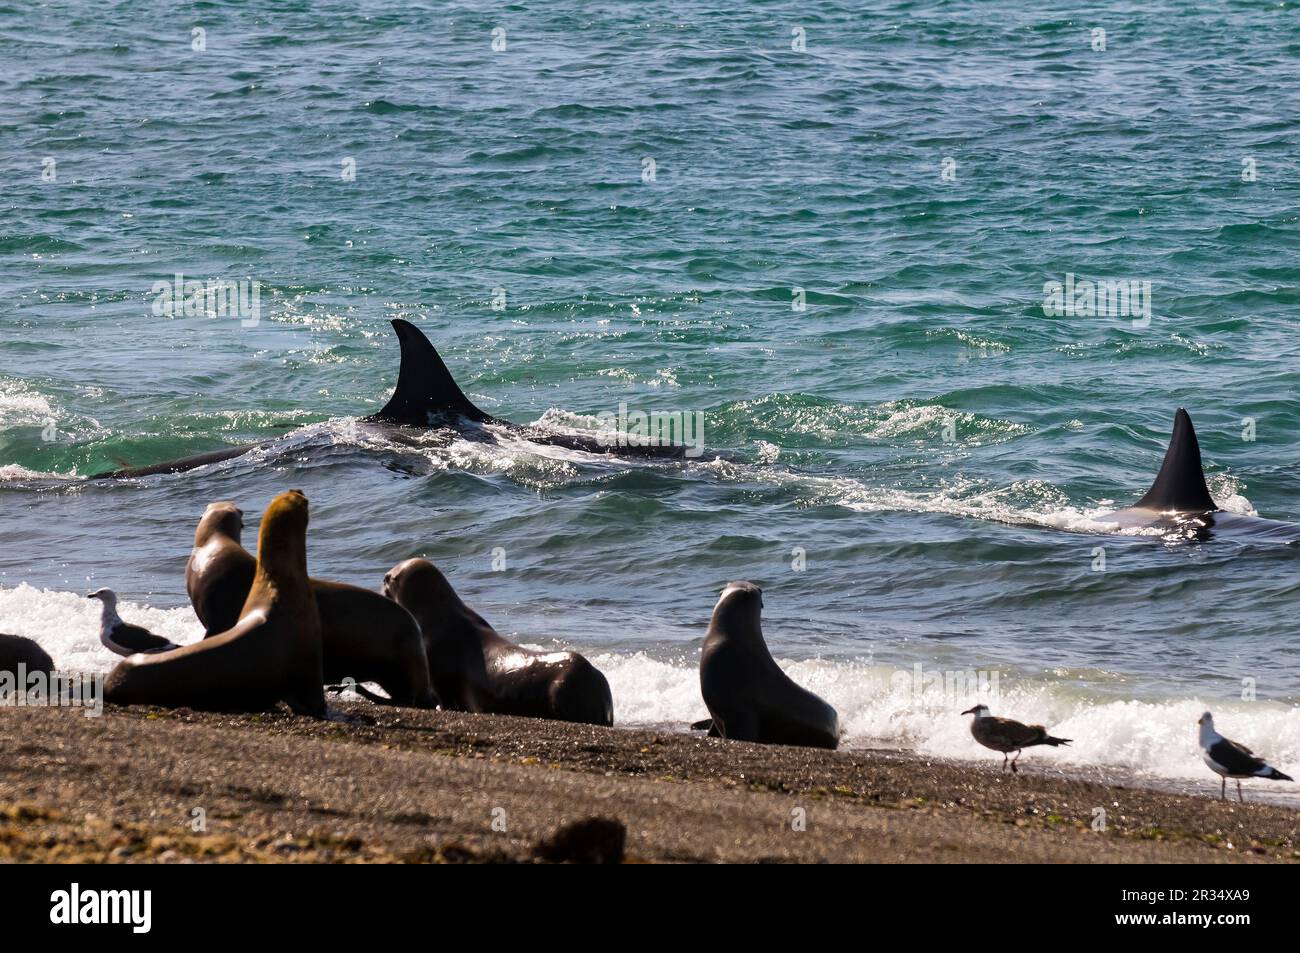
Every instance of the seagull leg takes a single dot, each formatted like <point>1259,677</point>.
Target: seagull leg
<point>1223,789</point>
<point>1013,762</point>
<point>1239,797</point>
<point>1004,761</point>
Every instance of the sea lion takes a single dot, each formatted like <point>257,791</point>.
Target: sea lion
<point>475,669</point>
<point>746,692</point>
<point>364,637</point>
<point>17,650</point>
<point>272,654</point>
<point>220,570</point>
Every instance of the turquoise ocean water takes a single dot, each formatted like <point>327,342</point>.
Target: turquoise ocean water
<point>584,205</point>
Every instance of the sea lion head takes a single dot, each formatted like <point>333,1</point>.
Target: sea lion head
<point>739,609</point>
<point>222,517</point>
<point>282,540</point>
<point>418,584</point>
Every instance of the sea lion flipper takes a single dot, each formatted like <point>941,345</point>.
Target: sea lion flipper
<point>272,654</point>
<point>310,707</point>
<point>364,637</point>
<point>705,724</point>
<point>474,669</point>
<point>373,696</point>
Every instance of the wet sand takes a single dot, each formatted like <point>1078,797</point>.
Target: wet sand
<point>396,785</point>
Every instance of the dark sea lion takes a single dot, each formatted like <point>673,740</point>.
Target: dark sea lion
<point>16,650</point>
<point>272,654</point>
<point>746,692</point>
<point>475,669</point>
<point>364,637</point>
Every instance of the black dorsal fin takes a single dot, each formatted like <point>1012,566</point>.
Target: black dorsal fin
<point>424,385</point>
<point>1180,485</point>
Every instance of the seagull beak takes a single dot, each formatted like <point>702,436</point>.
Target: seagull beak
<point>969,711</point>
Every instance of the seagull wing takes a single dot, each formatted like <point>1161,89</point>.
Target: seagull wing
<point>1017,734</point>
<point>136,639</point>
<point>1235,758</point>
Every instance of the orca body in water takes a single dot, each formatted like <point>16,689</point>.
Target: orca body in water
<point>427,396</point>
<point>1180,503</point>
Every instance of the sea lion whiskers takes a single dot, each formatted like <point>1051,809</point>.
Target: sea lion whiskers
<point>419,574</point>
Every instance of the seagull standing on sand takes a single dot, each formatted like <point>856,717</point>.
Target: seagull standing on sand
<point>121,637</point>
<point>1228,759</point>
<point>1005,735</point>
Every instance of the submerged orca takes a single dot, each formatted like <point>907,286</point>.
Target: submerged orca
<point>426,396</point>
<point>1180,502</point>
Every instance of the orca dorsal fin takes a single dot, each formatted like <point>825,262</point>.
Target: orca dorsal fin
<point>1180,485</point>
<point>424,385</point>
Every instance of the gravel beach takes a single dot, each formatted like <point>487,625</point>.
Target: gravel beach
<point>398,785</point>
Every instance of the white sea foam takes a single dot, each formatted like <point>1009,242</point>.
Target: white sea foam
<point>1025,503</point>
<point>66,624</point>
<point>14,473</point>
<point>879,705</point>
<point>21,406</point>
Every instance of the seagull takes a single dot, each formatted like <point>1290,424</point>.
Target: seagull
<point>1229,759</point>
<point>121,637</point>
<point>1005,735</point>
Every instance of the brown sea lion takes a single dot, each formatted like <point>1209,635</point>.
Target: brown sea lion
<point>475,669</point>
<point>220,570</point>
<point>746,692</point>
<point>271,654</point>
<point>16,650</point>
<point>364,637</point>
